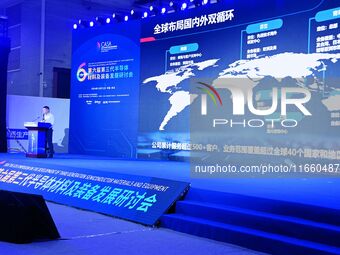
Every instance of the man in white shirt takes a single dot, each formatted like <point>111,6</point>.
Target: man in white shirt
<point>49,118</point>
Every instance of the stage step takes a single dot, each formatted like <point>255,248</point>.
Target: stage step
<point>272,226</point>
<point>273,223</point>
<point>304,211</point>
<point>247,237</point>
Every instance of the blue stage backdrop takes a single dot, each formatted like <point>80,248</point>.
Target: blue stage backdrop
<point>196,67</point>
<point>105,90</point>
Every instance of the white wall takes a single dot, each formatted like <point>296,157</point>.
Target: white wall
<point>21,109</point>
<point>60,17</point>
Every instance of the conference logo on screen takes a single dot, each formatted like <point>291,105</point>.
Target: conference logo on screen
<point>244,103</point>
<point>106,46</point>
<point>81,72</point>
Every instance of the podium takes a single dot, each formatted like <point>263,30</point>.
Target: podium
<point>37,139</point>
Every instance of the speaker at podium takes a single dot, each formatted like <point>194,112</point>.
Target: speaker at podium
<point>37,139</point>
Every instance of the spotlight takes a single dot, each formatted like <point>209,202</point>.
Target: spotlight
<point>153,10</point>
<point>145,14</point>
<point>91,23</point>
<point>173,6</point>
<point>126,18</point>
<point>163,10</point>
<point>136,14</point>
<point>115,18</point>
<point>101,20</point>
<point>108,20</point>
<point>197,3</point>
<point>82,24</point>
<point>184,6</point>
<point>75,26</point>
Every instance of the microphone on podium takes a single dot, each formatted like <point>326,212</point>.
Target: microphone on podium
<point>36,119</point>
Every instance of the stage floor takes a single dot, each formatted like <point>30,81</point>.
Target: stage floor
<point>85,233</point>
<point>315,191</point>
